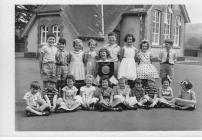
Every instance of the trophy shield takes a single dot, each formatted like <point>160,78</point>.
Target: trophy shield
<point>105,68</point>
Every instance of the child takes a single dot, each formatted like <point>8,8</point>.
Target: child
<point>106,94</point>
<point>76,59</point>
<point>138,92</point>
<point>113,49</point>
<point>165,93</point>
<point>35,104</point>
<point>145,69</point>
<point>61,60</point>
<point>122,96</point>
<point>127,66</point>
<point>105,58</point>
<point>70,102</point>
<point>47,59</point>
<point>87,94</point>
<point>104,55</point>
<point>90,57</point>
<point>50,94</point>
<point>167,60</point>
<point>187,97</point>
<point>151,93</point>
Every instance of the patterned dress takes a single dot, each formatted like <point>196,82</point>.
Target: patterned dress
<point>70,100</point>
<point>164,94</point>
<point>106,94</point>
<point>145,69</point>
<point>34,100</point>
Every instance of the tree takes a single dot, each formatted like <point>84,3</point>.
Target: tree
<point>23,14</point>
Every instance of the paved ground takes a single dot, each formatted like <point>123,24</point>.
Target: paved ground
<point>140,120</point>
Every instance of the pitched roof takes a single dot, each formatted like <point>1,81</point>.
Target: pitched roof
<point>85,19</point>
<point>48,8</point>
<point>91,20</point>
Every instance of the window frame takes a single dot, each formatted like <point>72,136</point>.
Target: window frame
<point>43,33</point>
<point>156,26</point>
<point>177,31</point>
<point>57,32</point>
<point>167,24</point>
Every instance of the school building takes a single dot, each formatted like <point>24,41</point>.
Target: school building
<point>152,22</point>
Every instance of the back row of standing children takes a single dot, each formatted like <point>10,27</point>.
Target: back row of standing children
<point>59,63</point>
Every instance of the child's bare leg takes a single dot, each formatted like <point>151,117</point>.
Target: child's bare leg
<point>154,102</point>
<point>28,108</point>
<point>43,107</point>
<point>184,101</point>
<point>142,102</point>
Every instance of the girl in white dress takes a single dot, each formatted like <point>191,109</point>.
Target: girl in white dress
<point>76,58</point>
<point>165,93</point>
<point>122,96</point>
<point>127,66</point>
<point>145,69</point>
<point>70,99</point>
<point>87,92</point>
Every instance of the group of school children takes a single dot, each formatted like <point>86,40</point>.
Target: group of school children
<point>132,86</point>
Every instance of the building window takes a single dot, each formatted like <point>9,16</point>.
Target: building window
<point>177,31</point>
<point>56,31</point>
<point>44,31</point>
<point>167,23</point>
<point>156,24</point>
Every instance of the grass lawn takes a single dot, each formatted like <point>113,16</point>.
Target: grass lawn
<point>27,70</point>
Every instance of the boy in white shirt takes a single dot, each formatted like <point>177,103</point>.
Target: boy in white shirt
<point>167,60</point>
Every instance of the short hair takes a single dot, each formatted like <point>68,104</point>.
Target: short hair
<point>35,85</point>
<point>170,41</point>
<point>78,41</point>
<point>138,80</point>
<point>129,35</point>
<point>104,50</point>
<point>103,78</point>
<point>165,79</point>
<point>151,79</point>
<point>92,41</point>
<point>62,41</point>
<point>123,78</point>
<point>111,34</point>
<point>50,35</point>
<point>187,84</point>
<point>70,77</point>
<point>89,76</point>
<point>143,42</point>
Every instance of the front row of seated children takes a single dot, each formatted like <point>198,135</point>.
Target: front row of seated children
<point>104,98</point>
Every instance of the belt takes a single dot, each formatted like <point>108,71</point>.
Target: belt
<point>58,64</point>
<point>167,63</point>
<point>49,62</point>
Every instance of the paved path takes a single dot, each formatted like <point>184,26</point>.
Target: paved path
<point>140,120</point>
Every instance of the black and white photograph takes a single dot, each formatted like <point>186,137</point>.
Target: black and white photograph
<point>106,67</point>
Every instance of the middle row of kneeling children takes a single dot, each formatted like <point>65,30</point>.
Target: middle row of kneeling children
<point>105,98</point>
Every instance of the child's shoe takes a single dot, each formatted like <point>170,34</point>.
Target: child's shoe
<point>177,107</point>
<point>28,113</point>
<point>45,113</point>
<point>101,109</point>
